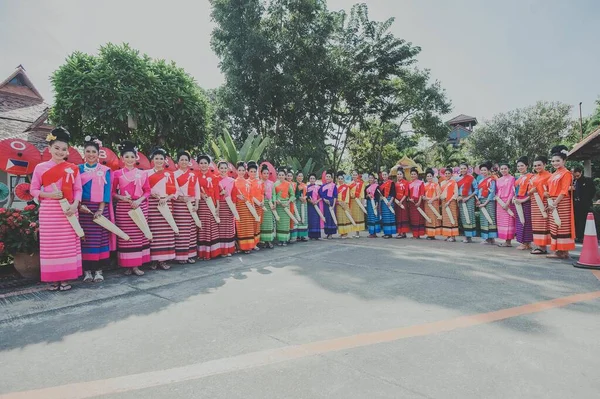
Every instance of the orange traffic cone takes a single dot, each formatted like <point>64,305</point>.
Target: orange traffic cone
<point>589,258</point>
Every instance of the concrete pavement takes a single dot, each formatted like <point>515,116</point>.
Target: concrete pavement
<point>241,327</point>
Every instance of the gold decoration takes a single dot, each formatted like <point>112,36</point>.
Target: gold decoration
<point>50,137</point>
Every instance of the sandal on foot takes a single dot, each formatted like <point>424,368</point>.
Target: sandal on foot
<point>191,261</point>
<point>153,266</point>
<point>98,277</point>
<point>64,287</point>
<point>128,272</point>
<point>87,277</point>
<point>138,272</point>
<point>53,287</point>
<point>504,245</point>
<point>182,262</point>
<point>538,251</point>
<point>164,265</point>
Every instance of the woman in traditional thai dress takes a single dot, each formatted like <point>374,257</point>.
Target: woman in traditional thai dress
<point>505,191</point>
<point>373,212</point>
<point>246,226</point>
<point>227,195</point>
<point>131,189</point>
<point>257,192</point>
<point>163,189</point>
<point>524,233</point>
<point>313,199</point>
<point>486,199</point>
<point>387,192</point>
<point>283,194</point>
<point>267,226</point>
<point>559,195</point>
<point>467,190</point>
<point>401,205</point>
<point>293,226</point>
<point>53,181</point>
<point>209,241</point>
<point>343,205</point>
<point>415,200</point>
<point>302,227</point>
<point>186,243</point>
<point>540,223</point>
<point>449,196</point>
<point>357,194</point>
<point>329,193</point>
<point>431,201</point>
<point>96,196</point>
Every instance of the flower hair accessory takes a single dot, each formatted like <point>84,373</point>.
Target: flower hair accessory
<point>98,142</point>
<point>50,137</point>
<point>564,151</point>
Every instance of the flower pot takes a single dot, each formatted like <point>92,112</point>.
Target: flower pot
<point>28,265</point>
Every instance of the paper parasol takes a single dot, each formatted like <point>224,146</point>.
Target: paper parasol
<point>3,192</point>
<point>108,158</point>
<point>142,162</point>
<point>18,157</point>
<point>22,192</point>
<point>272,171</point>
<point>73,157</point>
<point>194,165</point>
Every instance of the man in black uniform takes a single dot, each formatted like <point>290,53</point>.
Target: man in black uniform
<point>584,192</point>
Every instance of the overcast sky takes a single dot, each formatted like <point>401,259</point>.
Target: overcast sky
<point>491,56</point>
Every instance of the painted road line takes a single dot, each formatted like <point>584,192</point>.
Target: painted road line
<point>251,360</point>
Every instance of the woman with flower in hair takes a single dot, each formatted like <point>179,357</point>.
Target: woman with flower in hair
<point>524,233</point>
<point>131,189</point>
<point>283,194</point>
<point>227,194</point>
<point>300,203</point>
<point>467,190</point>
<point>415,200</point>
<point>314,220</point>
<point>560,206</point>
<point>188,199</point>
<point>357,194</point>
<point>431,200</point>
<point>163,189</point>
<point>343,204</point>
<point>540,224</point>
<point>209,246</point>
<point>267,226</point>
<point>289,176</point>
<point>329,194</point>
<point>505,191</point>
<point>95,201</point>
<point>257,191</point>
<point>486,201</point>
<point>246,226</point>
<point>401,204</point>
<point>387,192</point>
<point>449,210</point>
<point>373,212</point>
<point>53,181</point>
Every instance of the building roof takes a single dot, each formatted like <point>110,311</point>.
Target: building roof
<point>588,148</point>
<point>459,131</point>
<point>22,108</point>
<point>462,118</point>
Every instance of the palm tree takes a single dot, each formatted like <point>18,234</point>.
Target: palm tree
<point>252,149</point>
<point>308,168</point>
<point>446,154</point>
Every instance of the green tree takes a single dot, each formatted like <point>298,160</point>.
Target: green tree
<point>446,154</point>
<point>120,94</point>
<point>224,148</point>
<point>526,131</point>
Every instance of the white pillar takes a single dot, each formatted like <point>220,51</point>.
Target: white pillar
<point>587,168</point>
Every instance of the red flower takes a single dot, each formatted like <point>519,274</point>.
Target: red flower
<point>10,219</point>
<point>15,214</point>
<point>32,224</point>
<point>29,207</point>
<point>2,211</point>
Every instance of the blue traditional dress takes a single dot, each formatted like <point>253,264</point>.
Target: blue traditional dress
<point>329,192</point>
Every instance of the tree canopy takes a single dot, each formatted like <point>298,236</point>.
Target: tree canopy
<point>106,94</point>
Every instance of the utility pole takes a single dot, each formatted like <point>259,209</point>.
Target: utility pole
<point>580,121</point>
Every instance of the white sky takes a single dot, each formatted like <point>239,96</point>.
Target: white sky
<point>491,56</point>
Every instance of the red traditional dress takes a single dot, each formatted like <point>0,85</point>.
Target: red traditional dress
<point>402,219</point>
<point>189,191</point>
<point>562,238</point>
<point>209,246</point>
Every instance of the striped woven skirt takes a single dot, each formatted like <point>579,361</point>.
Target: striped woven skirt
<point>373,220</point>
<point>60,247</point>
<point>563,238</point>
<point>449,228</point>
<point>302,227</point>
<point>293,227</point>
<point>524,231</point>
<point>469,229</point>
<point>417,221</point>
<point>488,230</point>
<point>283,225</point>
<point>388,219</point>
<point>539,224</point>
<point>245,227</point>
<point>358,215</point>
<point>329,226</point>
<point>435,227</point>
<point>344,225</point>
<point>162,247</point>
<point>226,229</point>
<point>260,211</point>
<point>267,227</point>
<point>314,222</point>
<point>95,249</point>
<point>402,219</point>
<point>136,251</point>
<point>209,245</point>
<point>185,243</point>
<point>506,223</point>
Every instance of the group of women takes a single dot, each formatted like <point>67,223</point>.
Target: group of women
<point>185,215</point>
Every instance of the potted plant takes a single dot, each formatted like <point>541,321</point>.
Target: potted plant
<point>19,239</point>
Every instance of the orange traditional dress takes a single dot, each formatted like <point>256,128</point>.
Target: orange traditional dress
<point>562,238</point>
<point>434,227</point>
<point>449,209</point>
<point>540,224</point>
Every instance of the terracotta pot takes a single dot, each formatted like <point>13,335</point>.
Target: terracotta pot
<point>27,265</point>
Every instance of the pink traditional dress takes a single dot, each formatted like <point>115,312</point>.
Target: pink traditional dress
<point>162,183</point>
<point>505,187</point>
<point>226,228</point>
<point>95,249</point>
<point>133,184</point>
<point>60,247</point>
<point>189,191</point>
